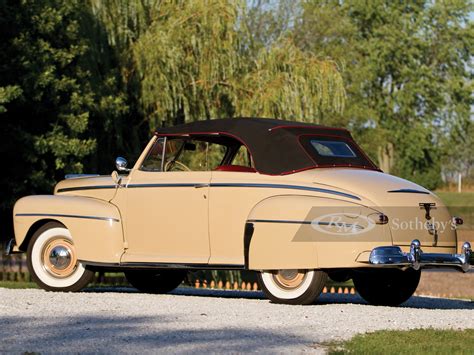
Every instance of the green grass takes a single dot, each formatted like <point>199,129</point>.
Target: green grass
<point>17,284</point>
<point>455,199</point>
<point>25,284</point>
<point>460,204</point>
<point>419,341</point>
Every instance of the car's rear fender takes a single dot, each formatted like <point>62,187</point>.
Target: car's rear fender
<point>95,225</point>
<point>283,233</point>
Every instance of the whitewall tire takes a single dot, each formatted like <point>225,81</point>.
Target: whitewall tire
<point>292,286</point>
<point>52,260</point>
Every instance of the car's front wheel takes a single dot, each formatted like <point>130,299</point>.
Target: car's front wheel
<point>292,286</point>
<point>52,260</point>
<point>387,287</point>
<point>155,281</point>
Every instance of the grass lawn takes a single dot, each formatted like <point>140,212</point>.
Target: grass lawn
<point>419,341</point>
<point>26,284</point>
<point>460,204</point>
<point>455,199</point>
<point>17,284</point>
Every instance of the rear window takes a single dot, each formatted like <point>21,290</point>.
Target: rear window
<point>332,148</point>
<point>334,151</point>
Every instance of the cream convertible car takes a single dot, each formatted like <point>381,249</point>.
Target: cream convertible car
<point>294,202</point>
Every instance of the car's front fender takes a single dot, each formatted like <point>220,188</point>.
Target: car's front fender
<point>95,225</point>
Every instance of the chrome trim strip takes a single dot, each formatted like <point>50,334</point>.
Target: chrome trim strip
<point>337,224</point>
<point>66,215</point>
<point>135,186</point>
<point>77,176</point>
<point>276,221</point>
<point>409,191</point>
<point>163,154</point>
<point>193,184</point>
<point>200,186</point>
<point>290,187</point>
<point>80,188</point>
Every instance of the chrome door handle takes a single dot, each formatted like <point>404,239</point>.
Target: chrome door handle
<point>198,186</point>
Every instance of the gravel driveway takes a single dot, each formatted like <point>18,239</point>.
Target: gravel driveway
<point>189,320</point>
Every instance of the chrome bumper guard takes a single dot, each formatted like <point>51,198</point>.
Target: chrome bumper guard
<point>9,247</point>
<point>415,258</point>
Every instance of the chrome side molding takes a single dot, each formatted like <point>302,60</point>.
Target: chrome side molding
<point>109,219</point>
<point>416,259</point>
<point>77,176</point>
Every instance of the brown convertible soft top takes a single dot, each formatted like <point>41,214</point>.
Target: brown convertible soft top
<point>277,147</point>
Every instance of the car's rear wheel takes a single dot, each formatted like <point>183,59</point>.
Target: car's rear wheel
<point>52,260</point>
<point>387,287</point>
<point>292,286</point>
<point>155,281</point>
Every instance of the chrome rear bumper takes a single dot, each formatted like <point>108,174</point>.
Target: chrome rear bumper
<point>415,258</point>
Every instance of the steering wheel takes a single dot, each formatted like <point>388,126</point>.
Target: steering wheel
<point>176,164</point>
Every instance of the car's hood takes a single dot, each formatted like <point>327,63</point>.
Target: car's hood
<point>101,187</point>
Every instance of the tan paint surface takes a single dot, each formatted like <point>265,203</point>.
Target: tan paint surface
<point>304,240</point>
<point>95,240</point>
<point>188,224</point>
<point>84,182</point>
<point>166,224</point>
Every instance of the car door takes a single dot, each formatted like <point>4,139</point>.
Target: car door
<point>166,214</point>
<point>231,200</point>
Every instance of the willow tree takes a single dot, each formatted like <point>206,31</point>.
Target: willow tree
<point>195,60</point>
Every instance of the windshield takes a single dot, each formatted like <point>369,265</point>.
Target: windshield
<point>200,153</point>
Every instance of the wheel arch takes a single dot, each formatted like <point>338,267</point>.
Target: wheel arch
<point>279,234</point>
<point>268,243</point>
<point>33,229</point>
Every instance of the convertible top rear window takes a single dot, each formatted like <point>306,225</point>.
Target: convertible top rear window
<point>334,151</point>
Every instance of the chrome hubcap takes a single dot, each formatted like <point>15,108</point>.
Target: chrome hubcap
<point>59,257</point>
<point>289,279</point>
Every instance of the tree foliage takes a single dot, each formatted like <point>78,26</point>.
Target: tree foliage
<point>45,94</point>
<point>407,73</point>
<point>81,81</point>
<point>195,60</point>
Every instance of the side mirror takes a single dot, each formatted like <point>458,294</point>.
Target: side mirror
<point>121,164</point>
